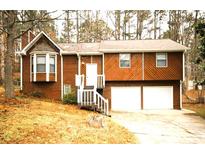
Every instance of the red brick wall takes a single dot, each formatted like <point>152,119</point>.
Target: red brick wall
<point>48,89</point>
<point>24,38</point>
<point>70,68</point>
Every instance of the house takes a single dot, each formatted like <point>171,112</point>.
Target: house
<point>124,75</point>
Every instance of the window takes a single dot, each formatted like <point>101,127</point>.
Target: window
<point>52,64</point>
<point>67,89</point>
<point>41,64</point>
<point>124,60</point>
<point>161,59</point>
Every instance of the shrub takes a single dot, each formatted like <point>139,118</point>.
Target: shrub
<point>37,94</point>
<point>70,99</point>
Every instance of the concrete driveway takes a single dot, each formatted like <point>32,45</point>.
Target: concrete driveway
<point>164,126</point>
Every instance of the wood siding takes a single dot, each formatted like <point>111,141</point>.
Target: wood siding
<point>114,73</point>
<point>70,68</point>
<point>175,84</point>
<point>173,71</point>
<point>48,89</point>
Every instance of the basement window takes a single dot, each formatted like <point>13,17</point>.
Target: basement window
<point>124,60</point>
<point>67,89</point>
<point>161,60</point>
<point>41,64</point>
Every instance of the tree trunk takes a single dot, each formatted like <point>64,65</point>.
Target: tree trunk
<point>155,24</point>
<point>77,27</point>
<point>117,25</point>
<point>8,81</point>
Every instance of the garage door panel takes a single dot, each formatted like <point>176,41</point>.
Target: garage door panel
<point>126,98</point>
<point>158,97</point>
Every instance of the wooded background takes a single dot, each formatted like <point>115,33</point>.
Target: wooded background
<point>183,26</point>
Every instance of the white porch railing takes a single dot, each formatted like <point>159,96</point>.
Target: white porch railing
<point>79,80</point>
<point>92,98</point>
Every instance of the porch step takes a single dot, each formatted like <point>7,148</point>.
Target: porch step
<point>89,87</point>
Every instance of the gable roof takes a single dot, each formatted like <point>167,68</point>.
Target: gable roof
<point>29,45</point>
<point>159,45</point>
<point>112,46</point>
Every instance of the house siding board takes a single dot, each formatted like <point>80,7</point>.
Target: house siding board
<point>172,72</point>
<point>48,89</point>
<point>175,84</point>
<point>70,69</point>
<point>114,72</point>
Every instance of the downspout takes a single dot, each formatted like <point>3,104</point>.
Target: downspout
<point>62,91</point>
<point>21,72</point>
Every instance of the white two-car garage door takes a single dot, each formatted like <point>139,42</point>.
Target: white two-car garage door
<point>129,99</point>
<point>158,97</point>
<point>126,99</point>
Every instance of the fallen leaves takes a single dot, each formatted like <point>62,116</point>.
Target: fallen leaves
<point>28,120</point>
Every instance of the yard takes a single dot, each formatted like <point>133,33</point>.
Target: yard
<point>189,104</point>
<point>29,120</point>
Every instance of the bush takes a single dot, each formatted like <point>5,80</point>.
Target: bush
<point>70,99</point>
<point>37,94</point>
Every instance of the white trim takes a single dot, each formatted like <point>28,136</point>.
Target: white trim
<point>139,50</point>
<point>29,37</point>
<point>29,45</point>
<point>43,52</point>
<point>79,64</point>
<point>62,92</point>
<point>166,57</point>
<point>103,64</point>
<point>21,72</point>
<point>34,67</point>
<point>56,65</point>
<point>31,74</point>
<point>129,60</point>
<point>47,67</point>
<point>143,66</point>
<point>180,94</point>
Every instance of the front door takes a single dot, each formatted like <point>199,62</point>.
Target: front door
<point>91,74</point>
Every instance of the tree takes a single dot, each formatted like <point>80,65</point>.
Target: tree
<point>12,21</point>
<point>142,15</point>
<point>94,31</point>
<point>68,26</point>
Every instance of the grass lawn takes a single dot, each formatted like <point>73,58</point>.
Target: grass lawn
<point>198,108</point>
<point>29,120</point>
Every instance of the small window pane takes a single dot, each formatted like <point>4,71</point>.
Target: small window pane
<point>124,56</point>
<point>52,68</point>
<point>52,60</point>
<point>161,62</point>
<point>41,60</point>
<point>161,56</point>
<point>124,60</point>
<point>41,68</point>
<point>67,89</point>
<point>124,63</point>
